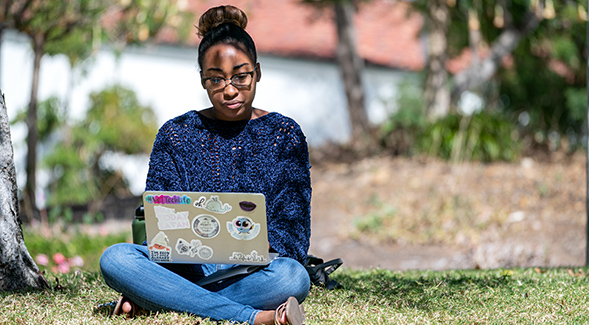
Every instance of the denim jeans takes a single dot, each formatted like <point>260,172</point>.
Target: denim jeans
<point>159,287</point>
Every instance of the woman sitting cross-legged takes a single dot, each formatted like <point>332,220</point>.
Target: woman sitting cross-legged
<point>228,147</point>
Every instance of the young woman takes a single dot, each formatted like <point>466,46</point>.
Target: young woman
<point>229,147</point>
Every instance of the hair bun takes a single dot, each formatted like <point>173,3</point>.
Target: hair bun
<point>220,15</point>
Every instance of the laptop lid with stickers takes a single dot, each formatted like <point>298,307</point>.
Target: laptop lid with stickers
<point>204,227</point>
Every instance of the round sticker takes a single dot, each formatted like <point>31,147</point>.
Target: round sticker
<point>205,252</point>
<point>206,226</point>
<point>243,228</point>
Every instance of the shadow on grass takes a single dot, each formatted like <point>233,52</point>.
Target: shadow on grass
<point>419,290</point>
<point>69,284</point>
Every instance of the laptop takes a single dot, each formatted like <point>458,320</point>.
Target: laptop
<point>206,227</point>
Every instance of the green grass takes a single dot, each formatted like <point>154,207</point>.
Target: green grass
<point>71,243</point>
<point>513,296</point>
<point>516,296</point>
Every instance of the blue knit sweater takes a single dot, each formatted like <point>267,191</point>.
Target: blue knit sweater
<point>265,155</point>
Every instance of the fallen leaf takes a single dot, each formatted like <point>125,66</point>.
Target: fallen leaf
<point>572,273</point>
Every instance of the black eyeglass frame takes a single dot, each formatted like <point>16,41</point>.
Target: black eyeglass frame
<point>251,73</point>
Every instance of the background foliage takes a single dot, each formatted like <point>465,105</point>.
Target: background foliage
<point>115,123</point>
<point>545,84</point>
<point>74,244</point>
<point>536,100</point>
<point>483,136</point>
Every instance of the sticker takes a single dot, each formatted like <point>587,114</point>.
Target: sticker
<point>247,206</point>
<point>193,248</point>
<point>243,228</point>
<point>212,205</point>
<point>206,226</point>
<point>166,199</point>
<point>183,247</point>
<point>160,250</point>
<point>169,219</point>
<point>252,257</point>
<point>205,252</point>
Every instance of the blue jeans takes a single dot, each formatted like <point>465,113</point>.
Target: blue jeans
<point>160,287</point>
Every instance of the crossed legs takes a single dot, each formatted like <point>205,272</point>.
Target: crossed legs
<point>127,269</point>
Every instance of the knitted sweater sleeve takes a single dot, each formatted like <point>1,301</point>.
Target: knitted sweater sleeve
<point>164,167</point>
<point>289,212</point>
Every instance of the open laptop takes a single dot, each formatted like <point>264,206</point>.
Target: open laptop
<point>205,227</point>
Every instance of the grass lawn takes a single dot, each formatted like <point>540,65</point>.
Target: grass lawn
<point>509,296</point>
<point>515,296</point>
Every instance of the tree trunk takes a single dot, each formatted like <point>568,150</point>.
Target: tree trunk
<point>2,28</point>
<point>33,134</point>
<point>477,74</point>
<point>437,94</point>
<point>18,271</point>
<point>351,66</point>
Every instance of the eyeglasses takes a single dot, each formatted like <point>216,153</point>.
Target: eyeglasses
<point>240,80</point>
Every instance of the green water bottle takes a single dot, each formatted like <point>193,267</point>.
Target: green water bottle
<point>138,226</point>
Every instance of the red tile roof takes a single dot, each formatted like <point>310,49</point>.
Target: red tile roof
<point>387,32</point>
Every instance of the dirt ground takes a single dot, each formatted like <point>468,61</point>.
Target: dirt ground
<point>429,214</point>
<point>414,213</point>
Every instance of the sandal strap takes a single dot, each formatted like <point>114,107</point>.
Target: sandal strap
<point>278,313</point>
<point>105,308</point>
<point>295,314</point>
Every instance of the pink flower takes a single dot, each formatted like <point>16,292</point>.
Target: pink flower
<point>77,261</point>
<point>42,259</point>
<point>103,231</point>
<point>58,258</point>
<point>63,268</point>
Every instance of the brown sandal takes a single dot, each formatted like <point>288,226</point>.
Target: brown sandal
<point>295,314</point>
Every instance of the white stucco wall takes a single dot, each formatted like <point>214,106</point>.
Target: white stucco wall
<point>167,79</point>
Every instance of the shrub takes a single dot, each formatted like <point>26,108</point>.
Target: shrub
<point>484,136</point>
<point>75,248</point>
<point>399,132</point>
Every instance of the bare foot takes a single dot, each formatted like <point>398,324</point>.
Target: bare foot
<point>127,307</point>
<point>288,313</point>
<point>266,317</point>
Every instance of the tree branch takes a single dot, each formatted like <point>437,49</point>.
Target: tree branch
<point>19,17</point>
<point>477,74</point>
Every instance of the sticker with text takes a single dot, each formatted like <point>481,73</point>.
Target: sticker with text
<point>206,226</point>
<point>212,205</point>
<point>166,199</point>
<point>159,248</point>
<point>252,257</point>
<point>243,228</point>
<point>169,219</point>
<point>194,248</point>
